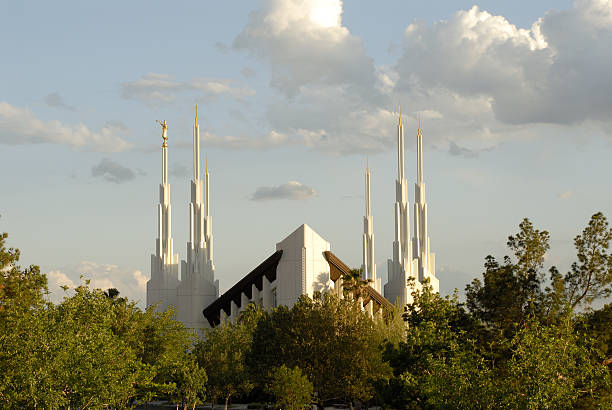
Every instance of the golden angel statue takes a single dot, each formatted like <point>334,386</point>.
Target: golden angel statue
<point>164,132</point>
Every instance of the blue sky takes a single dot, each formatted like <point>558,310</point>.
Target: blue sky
<point>515,100</point>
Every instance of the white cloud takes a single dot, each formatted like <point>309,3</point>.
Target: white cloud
<point>305,43</point>
<point>60,279</point>
<point>555,72</point>
<point>20,126</point>
<point>475,79</point>
<point>291,190</point>
<point>155,89</point>
<point>131,283</point>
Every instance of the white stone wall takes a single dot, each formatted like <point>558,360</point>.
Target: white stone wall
<point>302,268</point>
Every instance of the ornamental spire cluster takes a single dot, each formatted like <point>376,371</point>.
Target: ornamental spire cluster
<point>197,287</point>
<point>412,262</point>
<point>369,264</point>
<point>164,264</point>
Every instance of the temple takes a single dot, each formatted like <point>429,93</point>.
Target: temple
<point>301,264</point>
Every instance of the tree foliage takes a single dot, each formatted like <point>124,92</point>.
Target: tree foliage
<point>331,340</point>
<point>92,350</point>
<point>290,388</point>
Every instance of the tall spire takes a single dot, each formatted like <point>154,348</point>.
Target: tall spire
<point>198,286</point>
<point>367,186</point>
<point>369,266</point>
<point>164,241</point>
<point>400,147</point>
<point>420,242</point>
<point>161,288</point>
<point>419,154</point>
<point>400,267</point>
<point>196,147</point>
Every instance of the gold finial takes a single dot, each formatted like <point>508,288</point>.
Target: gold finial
<point>419,125</point>
<point>367,165</point>
<point>400,115</point>
<point>164,126</point>
<point>196,119</point>
<point>206,165</point>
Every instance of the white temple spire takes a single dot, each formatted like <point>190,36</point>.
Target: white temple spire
<point>161,288</point>
<point>164,245</point>
<point>196,147</point>
<point>419,155</point>
<point>400,268</point>
<point>369,265</point>
<point>420,242</point>
<point>400,147</point>
<point>198,286</point>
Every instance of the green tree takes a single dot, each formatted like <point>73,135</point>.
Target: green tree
<point>551,367</point>
<point>438,363</point>
<point>190,380</point>
<point>332,341</point>
<point>590,278</point>
<point>290,388</point>
<point>221,353</point>
<point>511,291</point>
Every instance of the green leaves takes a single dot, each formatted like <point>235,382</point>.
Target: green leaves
<point>590,278</point>
<point>290,388</point>
<point>93,350</point>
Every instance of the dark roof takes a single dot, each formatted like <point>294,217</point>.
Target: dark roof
<point>267,268</point>
<point>337,269</point>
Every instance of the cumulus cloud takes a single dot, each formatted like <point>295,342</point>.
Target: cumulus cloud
<point>156,89</point>
<point>476,79</point>
<point>554,72</point>
<point>112,171</point>
<point>20,126</point>
<point>131,283</point>
<point>55,100</point>
<point>291,190</point>
<point>331,95</point>
<point>305,43</point>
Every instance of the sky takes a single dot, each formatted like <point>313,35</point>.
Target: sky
<point>515,100</point>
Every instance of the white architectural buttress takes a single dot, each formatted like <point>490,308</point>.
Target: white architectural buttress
<point>420,242</point>
<point>198,287</point>
<point>161,288</point>
<point>401,268</point>
<point>369,264</point>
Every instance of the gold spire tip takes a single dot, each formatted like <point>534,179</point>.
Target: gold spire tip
<point>367,165</point>
<point>196,117</point>
<point>206,165</point>
<point>419,125</point>
<point>400,114</point>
